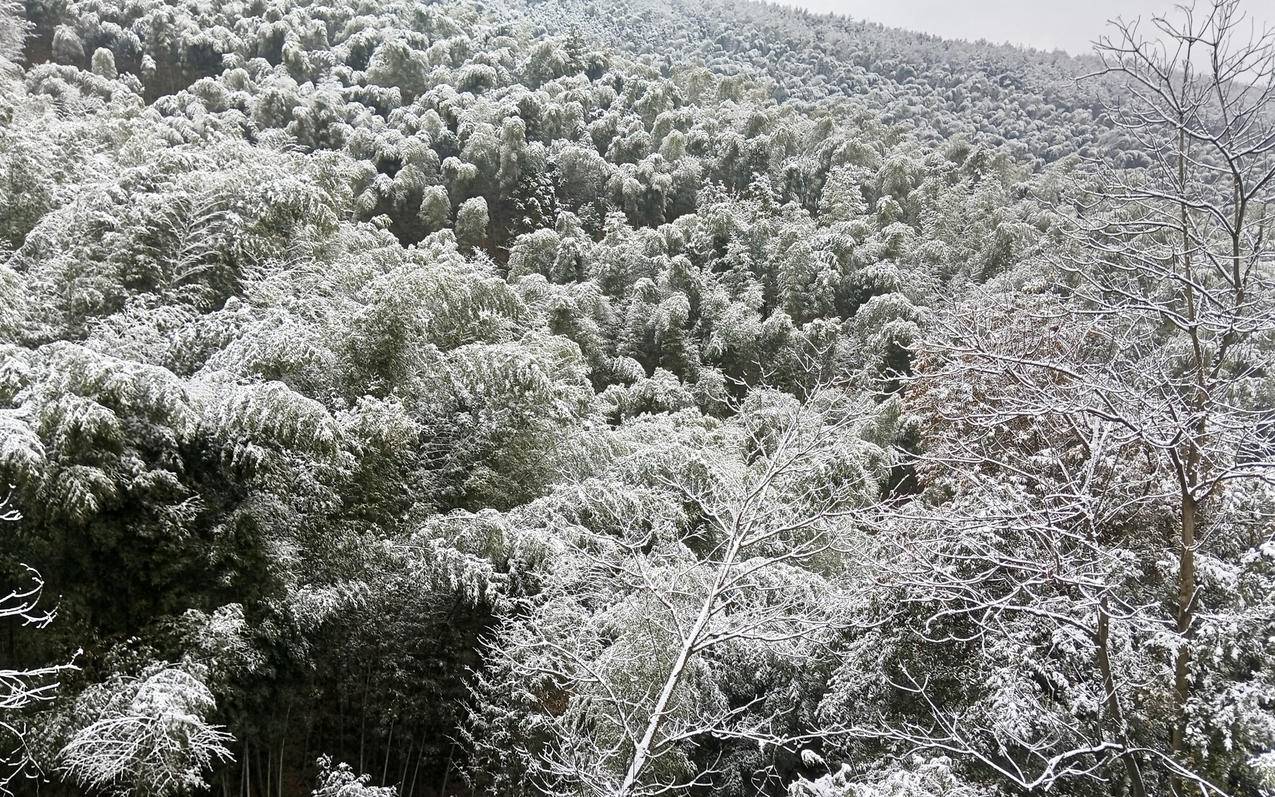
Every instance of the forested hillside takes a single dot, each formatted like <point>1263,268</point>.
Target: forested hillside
<point>1027,103</point>
<point>502,397</point>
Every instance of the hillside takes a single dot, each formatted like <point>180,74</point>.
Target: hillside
<point>1033,104</point>
<point>630,398</point>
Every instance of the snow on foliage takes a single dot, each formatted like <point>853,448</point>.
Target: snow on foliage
<point>634,398</point>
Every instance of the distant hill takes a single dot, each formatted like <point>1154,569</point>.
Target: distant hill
<point>1026,99</point>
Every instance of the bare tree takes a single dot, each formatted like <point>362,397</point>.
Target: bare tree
<point>1070,427</point>
<point>22,687</point>
<point>1186,249</point>
<point>1036,533</point>
<point>146,736</point>
<point>623,702</point>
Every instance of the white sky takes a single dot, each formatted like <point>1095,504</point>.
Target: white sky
<point>1045,24</point>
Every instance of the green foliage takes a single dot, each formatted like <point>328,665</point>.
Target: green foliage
<point>366,359</point>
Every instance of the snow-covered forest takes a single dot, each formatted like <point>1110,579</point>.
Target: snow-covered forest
<point>632,398</point>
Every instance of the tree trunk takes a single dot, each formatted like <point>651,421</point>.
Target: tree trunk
<point>1187,478</point>
<point>407,760</point>
<point>643,750</point>
<point>1185,618</point>
<point>412,789</point>
<point>447,770</point>
<point>367,682</point>
<point>263,773</point>
<point>283,740</point>
<point>389,746</point>
<point>1112,700</point>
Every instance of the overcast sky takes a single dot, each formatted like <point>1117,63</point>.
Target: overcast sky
<point>1046,24</point>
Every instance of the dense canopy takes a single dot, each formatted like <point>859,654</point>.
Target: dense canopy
<point>631,398</point>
